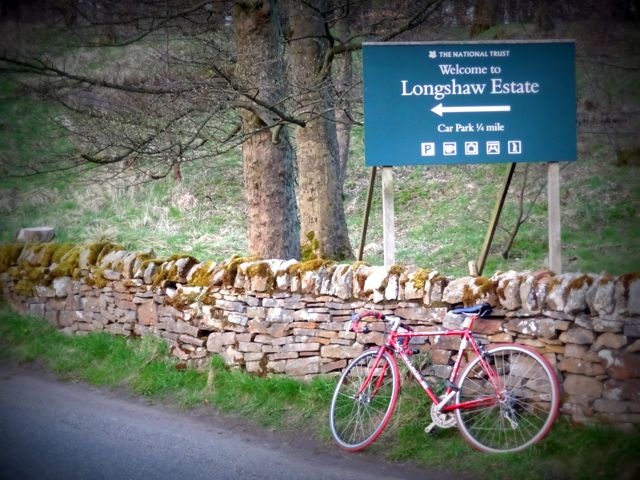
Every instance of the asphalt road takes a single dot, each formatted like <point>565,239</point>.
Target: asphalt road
<point>51,429</point>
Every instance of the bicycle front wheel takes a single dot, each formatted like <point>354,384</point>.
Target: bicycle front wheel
<point>518,414</point>
<point>364,399</point>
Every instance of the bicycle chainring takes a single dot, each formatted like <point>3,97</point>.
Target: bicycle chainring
<point>442,420</point>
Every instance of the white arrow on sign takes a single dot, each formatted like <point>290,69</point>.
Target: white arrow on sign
<point>439,109</point>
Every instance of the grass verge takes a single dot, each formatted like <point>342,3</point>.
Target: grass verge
<point>143,366</point>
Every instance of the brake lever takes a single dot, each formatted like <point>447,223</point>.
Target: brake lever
<point>349,325</point>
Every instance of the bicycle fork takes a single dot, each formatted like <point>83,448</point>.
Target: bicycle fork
<point>366,384</point>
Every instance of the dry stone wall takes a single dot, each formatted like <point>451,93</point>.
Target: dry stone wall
<point>287,317</point>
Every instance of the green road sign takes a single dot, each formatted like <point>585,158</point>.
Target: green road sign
<point>469,102</point>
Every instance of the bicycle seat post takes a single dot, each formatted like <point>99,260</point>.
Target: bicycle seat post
<point>468,320</point>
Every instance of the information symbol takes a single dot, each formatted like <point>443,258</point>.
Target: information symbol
<point>428,149</point>
<point>493,147</point>
<point>514,147</point>
<point>471,148</point>
<point>449,148</point>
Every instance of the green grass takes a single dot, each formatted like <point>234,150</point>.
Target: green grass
<point>140,218</point>
<point>442,214</point>
<point>143,367</point>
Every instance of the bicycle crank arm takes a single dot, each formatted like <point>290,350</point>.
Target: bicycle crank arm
<point>429,428</point>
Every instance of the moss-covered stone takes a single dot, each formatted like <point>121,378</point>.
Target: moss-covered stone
<point>360,271</point>
<point>397,269</point>
<point>258,269</point>
<point>606,278</point>
<point>627,279</point>
<point>553,283</point>
<point>38,275</point>
<point>579,282</point>
<point>203,276</point>
<point>61,251</point>
<point>356,265</point>
<point>49,252</point>
<point>308,266</point>
<point>39,264</point>
<point>230,268</point>
<point>9,255</point>
<point>420,278</point>
<point>173,269</point>
<point>107,248</point>
<point>24,287</point>
<point>153,266</point>
<point>181,301</point>
<point>37,254</point>
<point>92,253</point>
<point>310,248</point>
<point>96,278</point>
<point>482,287</point>
<point>14,273</point>
<point>260,275</point>
<point>68,263</point>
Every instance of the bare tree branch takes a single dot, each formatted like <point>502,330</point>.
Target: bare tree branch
<point>40,67</point>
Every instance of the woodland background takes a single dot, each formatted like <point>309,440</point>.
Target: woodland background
<point>216,128</point>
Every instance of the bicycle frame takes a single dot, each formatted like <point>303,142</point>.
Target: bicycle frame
<point>401,349</point>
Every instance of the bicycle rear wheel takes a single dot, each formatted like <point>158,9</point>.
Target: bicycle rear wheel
<point>518,415</point>
<point>364,400</point>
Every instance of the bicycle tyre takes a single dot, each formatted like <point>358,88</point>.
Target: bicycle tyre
<point>356,421</point>
<point>526,409</point>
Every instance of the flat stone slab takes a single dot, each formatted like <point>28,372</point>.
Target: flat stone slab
<point>35,234</point>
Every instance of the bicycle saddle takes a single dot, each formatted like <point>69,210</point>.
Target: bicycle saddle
<point>482,309</point>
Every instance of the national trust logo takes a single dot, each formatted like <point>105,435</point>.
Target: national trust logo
<point>432,54</point>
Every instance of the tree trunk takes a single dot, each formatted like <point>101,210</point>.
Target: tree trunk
<point>484,16</point>
<point>461,13</point>
<point>343,80</point>
<point>320,191</point>
<point>544,16</point>
<point>273,228</point>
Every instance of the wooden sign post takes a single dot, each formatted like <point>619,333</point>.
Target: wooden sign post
<point>553,200</point>
<point>388,217</point>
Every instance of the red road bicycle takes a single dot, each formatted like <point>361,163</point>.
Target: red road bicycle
<point>502,398</point>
